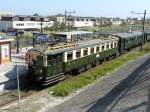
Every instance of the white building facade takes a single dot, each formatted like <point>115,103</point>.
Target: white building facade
<point>116,21</point>
<point>23,23</point>
<point>6,25</point>
<point>83,22</point>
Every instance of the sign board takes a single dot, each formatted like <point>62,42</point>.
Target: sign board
<point>11,33</point>
<point>40,38</point>
<point>14,33</point>
<point>5,55</point>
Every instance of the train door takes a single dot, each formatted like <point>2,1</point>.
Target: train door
<point>123,44</point>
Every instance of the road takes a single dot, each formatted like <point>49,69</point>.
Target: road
<point>126,90</point>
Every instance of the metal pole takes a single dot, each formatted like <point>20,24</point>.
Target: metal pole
<point>19,102</point>
<point>41,27</point>
<point>127,25</point>
<point>17,44</point>
<point>101,25</point>
<point>65,20</point>
<point>33,40</point>
<point>143,29</point>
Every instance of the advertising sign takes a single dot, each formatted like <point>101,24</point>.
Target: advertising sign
<point>5,56</point>
<point>11,33</point>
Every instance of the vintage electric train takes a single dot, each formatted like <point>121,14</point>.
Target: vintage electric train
<point>54,62</point>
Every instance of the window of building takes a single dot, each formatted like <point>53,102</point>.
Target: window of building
<point>77,19</point>
<point>85,52</point>
<point>78,53</point>
<point>69,56</point>
<point>87,19</point>
<point>92,50</point>
<point>97,49</point>
<point>82,19</point>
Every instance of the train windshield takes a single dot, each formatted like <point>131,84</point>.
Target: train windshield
<point>38,60</point>
<point>34,58</point>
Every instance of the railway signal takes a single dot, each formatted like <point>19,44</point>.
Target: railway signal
<point>143,27</point>
<point>66,12</point>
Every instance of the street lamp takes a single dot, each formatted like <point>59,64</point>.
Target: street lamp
<point>66,12</point>
<point>17,40</point>
<point>143,25</point>
<point>41,23</point>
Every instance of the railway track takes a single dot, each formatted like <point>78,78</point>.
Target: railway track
<point>12,96</point>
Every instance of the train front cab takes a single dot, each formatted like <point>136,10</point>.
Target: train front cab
<point>36,65</point>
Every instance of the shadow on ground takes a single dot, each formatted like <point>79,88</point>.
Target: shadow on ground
<point>11,76</point>
<point>110,100</point>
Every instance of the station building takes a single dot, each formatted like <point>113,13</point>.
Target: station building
<point>24,23</point>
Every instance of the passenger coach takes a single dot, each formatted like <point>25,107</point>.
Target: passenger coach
<point>52,63</point>
<point>129,40</point>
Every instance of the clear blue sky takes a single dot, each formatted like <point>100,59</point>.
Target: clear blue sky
<point>110,8</point>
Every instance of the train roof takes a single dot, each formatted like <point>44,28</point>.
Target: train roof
<point>72,33</point>
<point>63,47</point>
<point>127,35</point>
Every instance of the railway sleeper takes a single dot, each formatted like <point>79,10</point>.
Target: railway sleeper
<point>56,78</point>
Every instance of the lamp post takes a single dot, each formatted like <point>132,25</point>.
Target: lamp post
<point>143,22</point>
<point>101,25</point>
<point>41,20</point>
<point>17,41</point>
<point>66,12</point>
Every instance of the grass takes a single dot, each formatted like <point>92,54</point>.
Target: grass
<point>72,84</point>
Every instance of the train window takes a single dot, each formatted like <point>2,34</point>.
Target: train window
<point>107,46</point>
<point>92,50</point>
<point>103,47</point>
<point>97,49</point>
<point>85,52</point>
<point>69,56</point>
<point>111,45</point>
<point>78,53</point>
<point>51,59</point>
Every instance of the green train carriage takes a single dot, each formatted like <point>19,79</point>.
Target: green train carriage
<point>147,35</point>
<point>49,64</point>
<point>128,41</point>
